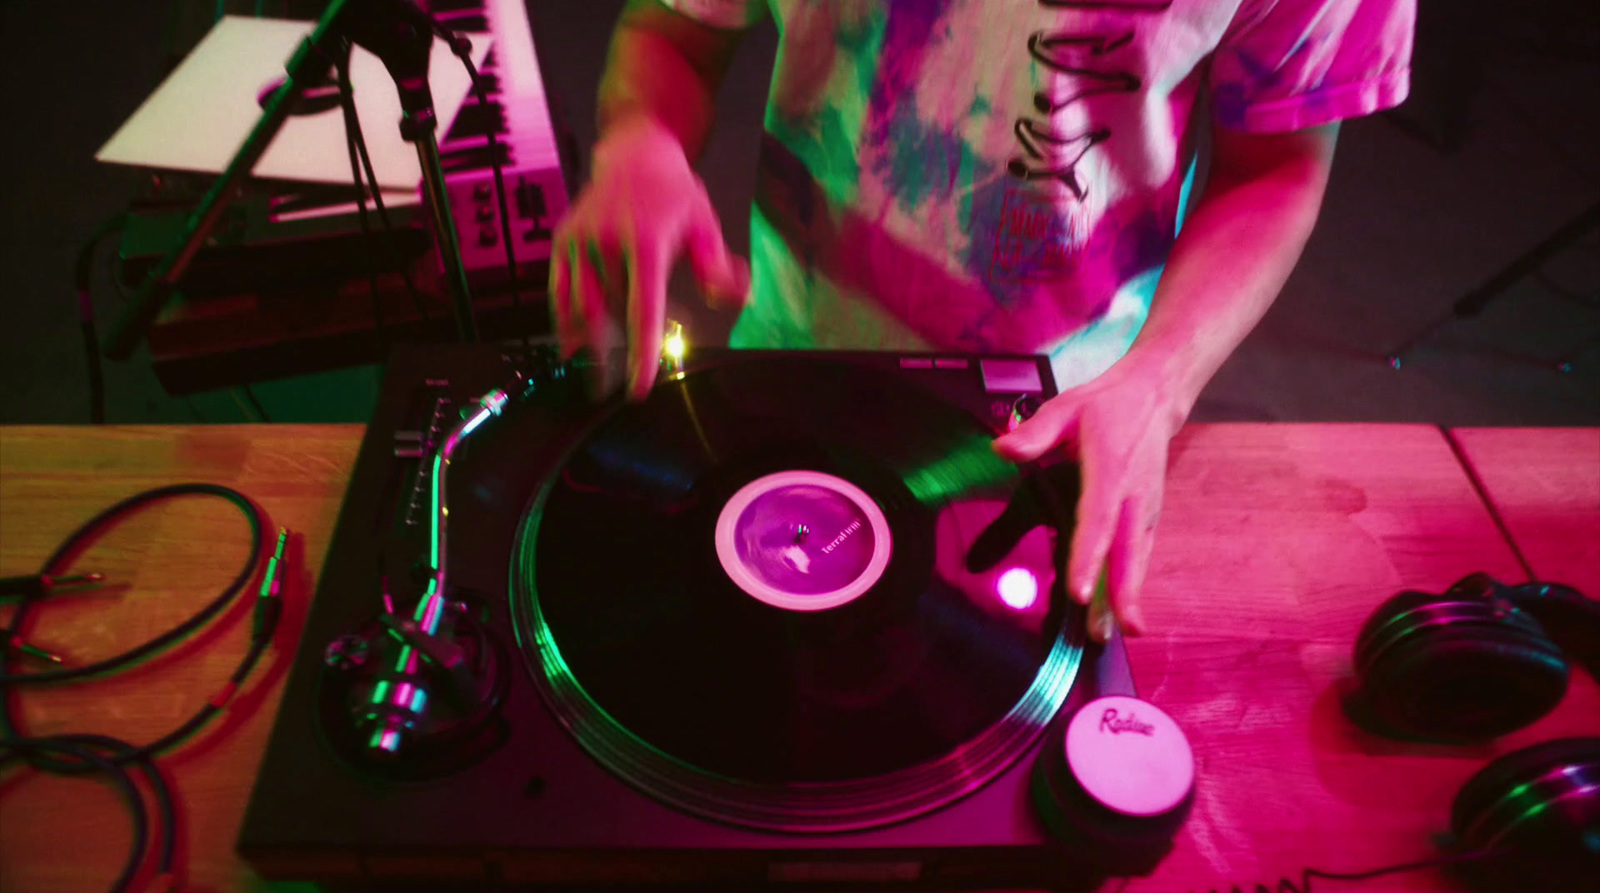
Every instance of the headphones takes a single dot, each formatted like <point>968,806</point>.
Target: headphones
<point>1462,666</point>
<point>1477,661</point>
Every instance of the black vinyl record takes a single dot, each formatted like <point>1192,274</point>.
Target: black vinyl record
<point>797,593</point>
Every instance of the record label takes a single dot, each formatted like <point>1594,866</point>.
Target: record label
<point>803,540</point>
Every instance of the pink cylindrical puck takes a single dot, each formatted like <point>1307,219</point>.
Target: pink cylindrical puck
<point>1130,756</point>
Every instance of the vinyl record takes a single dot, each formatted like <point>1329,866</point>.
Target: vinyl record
<point>797,593</point>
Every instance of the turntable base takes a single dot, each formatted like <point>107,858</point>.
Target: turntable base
<point>1285,782</point>
<point>675,721</point>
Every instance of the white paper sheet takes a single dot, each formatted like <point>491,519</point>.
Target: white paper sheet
<point>200,115</point>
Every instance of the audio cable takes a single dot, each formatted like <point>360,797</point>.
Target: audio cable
<point>120,761</point>
<point>1287,885</point>
<point>356,142</point>
<point>83,281</point>
<point>462,48</point>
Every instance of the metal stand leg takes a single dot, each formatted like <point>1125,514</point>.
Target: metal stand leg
<point>1473,302</point>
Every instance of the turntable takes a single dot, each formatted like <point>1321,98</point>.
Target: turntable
<point>789,620</point>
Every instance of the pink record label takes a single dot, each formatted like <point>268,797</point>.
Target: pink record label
<point>803,540</point>
<point>1130,756</point>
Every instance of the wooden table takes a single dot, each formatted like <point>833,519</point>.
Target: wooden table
<point>60,834</point>
<point>1277,542</point>
<point>1545,483</point>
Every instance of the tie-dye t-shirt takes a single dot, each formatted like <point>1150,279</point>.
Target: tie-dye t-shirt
<point>1006,175</point>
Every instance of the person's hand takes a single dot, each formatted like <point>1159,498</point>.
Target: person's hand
<point>1118,428</point>
<point>643,210</point>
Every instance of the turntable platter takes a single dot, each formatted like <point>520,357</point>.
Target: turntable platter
<point>796,593</point>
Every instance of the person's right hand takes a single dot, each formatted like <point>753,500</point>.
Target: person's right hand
<point>644,208</point>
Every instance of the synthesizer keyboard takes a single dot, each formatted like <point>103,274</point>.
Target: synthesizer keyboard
<point>518,114</point>
<point>243,324</point>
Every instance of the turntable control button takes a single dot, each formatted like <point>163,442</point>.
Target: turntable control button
<point>1130,756</point>
<point>408,445</point>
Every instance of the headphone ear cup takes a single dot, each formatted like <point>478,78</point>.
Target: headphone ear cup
<point>1572,620</point>
<point>1394,609</point>
<point>1459,668</point>
<point>1538,811</point>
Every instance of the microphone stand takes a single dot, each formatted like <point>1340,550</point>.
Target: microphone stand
<point>401,35</point>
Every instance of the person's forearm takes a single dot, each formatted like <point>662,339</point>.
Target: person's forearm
<point>1231,259</point>
<point>666,68</point>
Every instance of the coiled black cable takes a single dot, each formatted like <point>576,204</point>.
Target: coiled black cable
<point>1287,885</point>
<point>83,281</point>
<point>80,754</point>
<point>87,750</point>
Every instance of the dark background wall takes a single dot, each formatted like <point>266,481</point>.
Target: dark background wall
<point>1499,147</point>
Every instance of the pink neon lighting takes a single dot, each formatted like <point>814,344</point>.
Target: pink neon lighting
<point>1018,588</point>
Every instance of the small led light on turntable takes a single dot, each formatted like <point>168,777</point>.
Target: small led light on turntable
<point>674,347</point>
<point>1018,588</point>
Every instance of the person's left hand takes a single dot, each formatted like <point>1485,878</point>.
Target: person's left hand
<point>1118,428</point>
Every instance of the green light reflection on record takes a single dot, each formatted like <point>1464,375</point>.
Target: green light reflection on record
<point>971,464</point>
